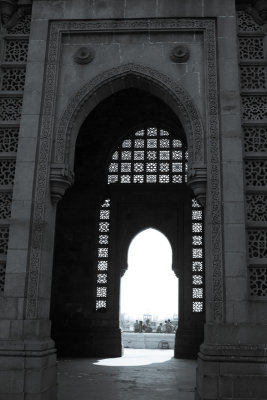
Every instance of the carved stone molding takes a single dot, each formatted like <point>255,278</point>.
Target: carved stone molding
<point>84,55</point>
<point>207,26</point>
<point>197,180</point>
<point>61,178</point>
<point>185,107</point>
<point>180,54</point>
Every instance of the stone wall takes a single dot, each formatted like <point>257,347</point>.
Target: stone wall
<point>252,57</point>
<point>148,340</point>
<point>14,53</point>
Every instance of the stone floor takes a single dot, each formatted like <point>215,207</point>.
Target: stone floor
<point>138,375</point>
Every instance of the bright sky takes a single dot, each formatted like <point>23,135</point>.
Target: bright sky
<point>149,286</point>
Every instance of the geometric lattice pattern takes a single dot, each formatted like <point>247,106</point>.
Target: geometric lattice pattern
<point>22,26</point>
<point>254,115</point>
<point>4,231</point>
<point>253,77</point>
<point>150,156</point>
<point>254,108</point>
<point>5,205</point>
<point>10,108</point>
<point>13,79</point>
<point>8,139</point>
<point>16,51</point>
<point>256,173</point>
<point>258,282</point>
<point>197,257</point>
<point>246,23</point>
<point>7,172</point>
<point>256,207</point>
<point>2,276</point>
<point>257,243</point>
<point>255,139</point>
<point>102,256</point>
<point>251,48</point>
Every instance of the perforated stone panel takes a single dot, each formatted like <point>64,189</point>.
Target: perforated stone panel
<point>251,48</point>
<point>254,108</point>
<point>10,108</point>
<point>13,79</point>
<point>2,276</point>
<point>256,207</point>
<point>22,26</point>
<point>253,77</point>
<point>246,23</point>
<point>16,51</point>
<point>258,282</point>
<point>8,139</point>
<point>103,256</point>
<point>257,242</point>
<point>254,113</point>
<point>4,231</point>
<point>5,205</point>
<point>255,139</point>
<point>197,258</point>
<point>256,173</point>
<point>7,171</point>
<point>149,156</point>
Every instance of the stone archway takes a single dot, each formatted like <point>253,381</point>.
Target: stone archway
<point>61,172</point>
<point>102,86</point>
<point>160,207</point>
<point>86,99</point>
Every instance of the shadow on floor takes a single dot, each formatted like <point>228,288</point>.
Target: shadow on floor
<point>139,374</point>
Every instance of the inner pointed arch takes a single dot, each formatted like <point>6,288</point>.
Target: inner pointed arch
<point>149,287</point>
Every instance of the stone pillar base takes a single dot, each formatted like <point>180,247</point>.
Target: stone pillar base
<point>231,372</point>
<point>187,343</point>
<point>28,370</point>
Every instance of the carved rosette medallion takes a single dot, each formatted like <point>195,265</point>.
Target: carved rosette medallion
<point>84,55</point>
<point>180,54</point>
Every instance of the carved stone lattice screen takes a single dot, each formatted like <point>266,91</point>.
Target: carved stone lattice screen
<point>102,256</point>
<point>252,56</point>
<point>197,257</point>
<point>14,44</point>
<point>149,156</point>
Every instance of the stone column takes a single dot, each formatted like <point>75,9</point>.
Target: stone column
<point>232,360</point>
<point>27,353</point>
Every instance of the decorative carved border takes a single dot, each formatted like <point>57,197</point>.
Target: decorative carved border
<point>185,106</point>
<point>47,125</point>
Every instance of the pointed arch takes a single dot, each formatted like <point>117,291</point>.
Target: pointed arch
<point>120,78</point>
<point>150,258</point>
<point>153,229</point>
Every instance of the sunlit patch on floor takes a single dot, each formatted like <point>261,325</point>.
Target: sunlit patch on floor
<point>135,357</point>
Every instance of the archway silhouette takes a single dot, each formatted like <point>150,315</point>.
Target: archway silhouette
<point>91,251</point>
<point>149,286</point>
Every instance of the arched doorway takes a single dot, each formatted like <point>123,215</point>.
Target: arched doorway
<point>149,288</point>
<point>141,192</point>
